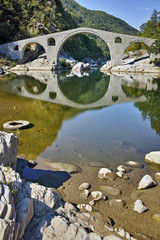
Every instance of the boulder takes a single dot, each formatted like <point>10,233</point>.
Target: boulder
<point>146,182</point>
<point>8,149</point>
<point>25,213</point>
<point>80,66</point>
<point>139,206</point>
<point>153,159</point>
<point>45,199</point>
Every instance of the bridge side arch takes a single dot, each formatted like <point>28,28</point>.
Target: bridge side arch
<point>145,41</point>
<point>70,35</point>
<point>27,43</point>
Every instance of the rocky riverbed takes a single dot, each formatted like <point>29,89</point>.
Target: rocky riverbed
<point>95,203</point>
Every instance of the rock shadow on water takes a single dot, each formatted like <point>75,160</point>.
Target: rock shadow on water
<point>47,178</point>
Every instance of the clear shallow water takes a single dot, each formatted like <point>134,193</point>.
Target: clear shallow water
<point>103,118</point>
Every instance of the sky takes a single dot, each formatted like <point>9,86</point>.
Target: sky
<point>135,13</point>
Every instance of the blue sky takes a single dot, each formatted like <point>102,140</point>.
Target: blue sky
<point>135,13</point>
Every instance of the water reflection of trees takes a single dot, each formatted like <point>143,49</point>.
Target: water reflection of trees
<point>150,109</point>
<point>85,90</point>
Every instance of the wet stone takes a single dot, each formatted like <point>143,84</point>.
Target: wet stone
<point>117,203</point>
<point>106,190</point>
<point>123,169</point>
<point>84,194</point>
<point>84,186</point>
<point>97,164</point>
<point>134,164</point>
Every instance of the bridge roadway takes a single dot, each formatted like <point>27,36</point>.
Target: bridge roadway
<point>53,43</point>
<point>52,87</point>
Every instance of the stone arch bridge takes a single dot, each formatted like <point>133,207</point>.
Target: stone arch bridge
<point>53,43</point>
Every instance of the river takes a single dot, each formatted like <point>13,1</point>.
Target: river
<point>84,120</point>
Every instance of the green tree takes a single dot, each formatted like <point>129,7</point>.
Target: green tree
<point>151,29</point>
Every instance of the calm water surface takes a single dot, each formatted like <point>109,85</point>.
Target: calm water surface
<point>101,118</point>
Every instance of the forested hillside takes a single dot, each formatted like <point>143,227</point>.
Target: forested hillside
<point>97,19</point>
<point>21,19</point>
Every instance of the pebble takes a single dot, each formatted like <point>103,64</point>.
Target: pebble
<point>110,190</point>
<point>146,182</point>
<point>134,164</point>
<point>102,173</point>
<point>96,195</point>
<point>84,186</point>
<point>139,206</point>
<point>84,194</point>
<point>123,169</point>
<point>157,175</point>
<point>86,207</point>
<point>117,203</point>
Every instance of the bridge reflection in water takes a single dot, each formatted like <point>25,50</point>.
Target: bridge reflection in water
<point>93,91</point>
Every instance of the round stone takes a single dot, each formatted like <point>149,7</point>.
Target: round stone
<point>134,164</point>
<point>84,186</point>
<point>102,173</point>
<point>123,169</point>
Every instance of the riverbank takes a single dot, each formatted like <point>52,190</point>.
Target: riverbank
<point>142,64</point>
<point>98,203</point>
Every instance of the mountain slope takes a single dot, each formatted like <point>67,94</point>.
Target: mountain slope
<point>97,19</point>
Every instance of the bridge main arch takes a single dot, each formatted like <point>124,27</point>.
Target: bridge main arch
<point>71,33</point>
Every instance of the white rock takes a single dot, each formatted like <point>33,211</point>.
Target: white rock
<point>84,194</point>
<point>102,172</point>
<point>121,232</point>
<point>96,195</point>
<point>85,207</point>
<point>139,206</point>
<point>146,182</point>
<point>44,198</point>
<point>8,149</point>
<point>25,213</point>
<point>153,157</point>
<point>134,164</point>
<point>84,186</point>
<point>123,169</point>
<point>94,236</point>
<point>120,174</point>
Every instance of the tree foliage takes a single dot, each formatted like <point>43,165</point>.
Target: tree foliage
<point>19,18</point>
<point>151,29</point>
